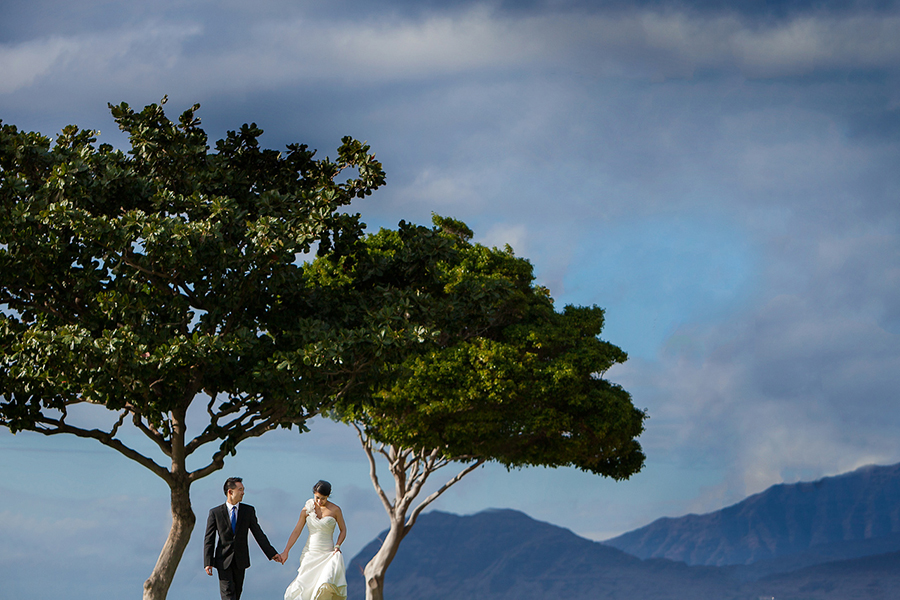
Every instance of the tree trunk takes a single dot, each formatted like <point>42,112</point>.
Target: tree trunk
<point>376,568</point>
<point>183,520</point>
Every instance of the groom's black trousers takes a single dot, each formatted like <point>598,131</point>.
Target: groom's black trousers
<point>231,583</point>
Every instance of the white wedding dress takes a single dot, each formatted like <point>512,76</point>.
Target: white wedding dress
<point>321,575</point>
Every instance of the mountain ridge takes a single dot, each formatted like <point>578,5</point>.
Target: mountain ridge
<point>783,520</point>
<point>503,554</point>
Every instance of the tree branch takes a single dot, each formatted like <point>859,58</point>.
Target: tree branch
<point>151,432</point>
<point>214,431</point>
<point>385,451</point>
<point>415,513</point>
<point>218,457</point>
<point>118,424</point>
<point>373,471</point>
<point>420,467</point>
<point>58,426</point>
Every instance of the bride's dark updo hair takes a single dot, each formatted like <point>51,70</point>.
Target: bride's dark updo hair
<point>322,487</point>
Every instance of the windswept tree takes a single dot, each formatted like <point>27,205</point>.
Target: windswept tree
<point>151,282</point>
<point>501,376</point>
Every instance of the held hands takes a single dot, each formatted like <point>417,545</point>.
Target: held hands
<point>279,559</point>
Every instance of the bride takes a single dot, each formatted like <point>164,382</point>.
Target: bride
<point>321,575</point>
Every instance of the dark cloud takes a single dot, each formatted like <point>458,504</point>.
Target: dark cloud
<point>746,7</point>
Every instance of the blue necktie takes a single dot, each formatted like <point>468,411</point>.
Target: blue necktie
<point>233,518</point>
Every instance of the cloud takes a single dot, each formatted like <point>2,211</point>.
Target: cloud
<point>809,43</point>
<point>642,43</point>
<point>675,43</point>
<point>127,57</point>
<point>273,50</point>
<point>502,234</point>
<point>799,386</point>
<point>22,64</point>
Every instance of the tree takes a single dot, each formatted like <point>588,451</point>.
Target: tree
<point>502,376</point>
<point>141,283</point>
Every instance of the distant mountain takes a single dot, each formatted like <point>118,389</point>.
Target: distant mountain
<point>817,555</point>
<point>847,516</point>
<point>506,555</point>
<point>869,578</point>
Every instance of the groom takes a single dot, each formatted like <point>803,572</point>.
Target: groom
<point>231,555</point>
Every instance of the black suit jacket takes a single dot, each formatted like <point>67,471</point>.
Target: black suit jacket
<point>231,548</point>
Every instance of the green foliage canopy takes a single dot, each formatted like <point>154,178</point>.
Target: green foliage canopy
<point>502,376</point>
<point>136,281</point>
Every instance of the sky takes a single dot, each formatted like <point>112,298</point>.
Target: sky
<point>721,177</point>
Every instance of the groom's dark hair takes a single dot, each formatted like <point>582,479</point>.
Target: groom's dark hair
<point>231,483</point>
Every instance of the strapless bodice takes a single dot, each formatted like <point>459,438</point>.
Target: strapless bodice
<point>321,533</point>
